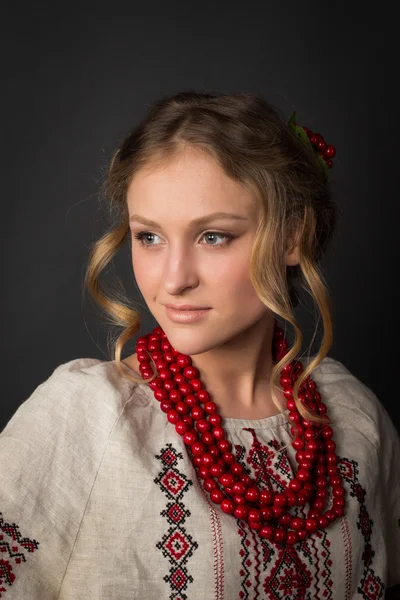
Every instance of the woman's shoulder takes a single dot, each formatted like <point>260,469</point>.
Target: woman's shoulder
<point>80,391</point>
<point>351,402</point>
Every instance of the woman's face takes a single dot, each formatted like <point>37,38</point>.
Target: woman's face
<point>181,262</point>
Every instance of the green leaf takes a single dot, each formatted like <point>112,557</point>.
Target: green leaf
<point>299,131</point>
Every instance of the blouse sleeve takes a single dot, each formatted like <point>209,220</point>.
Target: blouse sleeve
<point>389,461</point>
<point>50,452</point>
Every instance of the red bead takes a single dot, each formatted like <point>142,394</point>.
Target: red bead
<point>306,464</point>
<point>183,361</point>
<point>254,515</point>
<point>182,408</point>
<point>239,488</point>
<point>188,420</point>
<point>165,406</point>
<point>208,460</point>
<point>202,394</point>
<point>218,433</point>
<point>197,413</point>
<point>257,525</point>
<point>191,400</point>
<point>338,490</point>
<point>330,151</point>
<point>173,416</point>
<point>319,504</point>
<point>311,524</point>
<point>238,499</point>
<point>202,425</point>
<point>224,445</point>
<point>198,461</point>
<point>330,446</point>
<point>296,430</point>
<point>198,448</point>
<point>228,458</point>
<point>331,459</point>
<point>267,513</point>
<point>181,427</point>
<point>215,419</point>
<point>297,523</point>
<point>191,372</point>
<point>302,534</point>
<point>292,498</point>
<point>285,519</point>
<point>312,445</point>
<point>267,497</point>
<point>280,534</point>
<point>301,499</point>
<point>236,468</point>
<point>330,515</point>
<point>216,470</point>
<point>241,511</point>
<point>322,522</point>
<point>267,532</point>
<point>278,511</point>
<point>226,479</point>
<point>295,416</point>
<point>210,485</point>
<point>227,506</point>
<point>190,437</point>
<point>204,473</point>
<point>217,496</point>
<point>298,444</point>
<point>207,438</point>
<point>280,500</point>
<point>292,537</point>
<point>252,494</point>
<point>327,432</point>
<point>303,475</point>
<point>339,501</point>
<point>295,485</point>
<point>210,407</point>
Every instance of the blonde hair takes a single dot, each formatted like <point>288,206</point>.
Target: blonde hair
<point>255,147</point>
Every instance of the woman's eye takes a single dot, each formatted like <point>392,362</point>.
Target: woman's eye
<point>142,235</point>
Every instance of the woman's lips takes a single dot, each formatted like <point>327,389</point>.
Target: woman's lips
<point>186,316</point>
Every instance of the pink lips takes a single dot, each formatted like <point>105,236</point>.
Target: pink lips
<point>186,316</point>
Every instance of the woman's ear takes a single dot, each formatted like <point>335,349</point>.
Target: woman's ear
<point>292,254</point>
<point>293,247</point>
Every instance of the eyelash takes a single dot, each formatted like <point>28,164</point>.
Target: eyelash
<point>139,236</point>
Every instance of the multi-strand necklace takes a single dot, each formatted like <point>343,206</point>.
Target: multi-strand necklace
<point>189,407</point>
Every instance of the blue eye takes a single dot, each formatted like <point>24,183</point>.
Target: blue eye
<point>143,234</point>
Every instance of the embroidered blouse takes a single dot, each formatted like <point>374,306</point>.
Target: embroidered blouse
<point>99,499</point>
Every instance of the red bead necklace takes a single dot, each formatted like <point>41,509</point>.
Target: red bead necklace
<point>189,408</point>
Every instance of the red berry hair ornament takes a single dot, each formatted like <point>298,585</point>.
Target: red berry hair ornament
<point>325,152</point>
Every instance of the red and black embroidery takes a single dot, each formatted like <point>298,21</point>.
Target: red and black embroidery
<point>14,548</point>
<point>273,570</point>
<point>176,544</point>
<point>371,586</point>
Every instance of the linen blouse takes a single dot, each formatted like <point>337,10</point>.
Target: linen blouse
<point>99,499</point>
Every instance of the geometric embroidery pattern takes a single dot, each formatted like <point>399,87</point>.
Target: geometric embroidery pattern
<point>271,569</point>
<point>176,544</point>
<point>15,549</point>
<point>371,586</point>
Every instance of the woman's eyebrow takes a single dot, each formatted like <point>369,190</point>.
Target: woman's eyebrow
<point>195,223</point>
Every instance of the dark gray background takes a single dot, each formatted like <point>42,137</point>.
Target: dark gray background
<point>76,79</point>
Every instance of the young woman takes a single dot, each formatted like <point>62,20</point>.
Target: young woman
<point>216,461</point>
